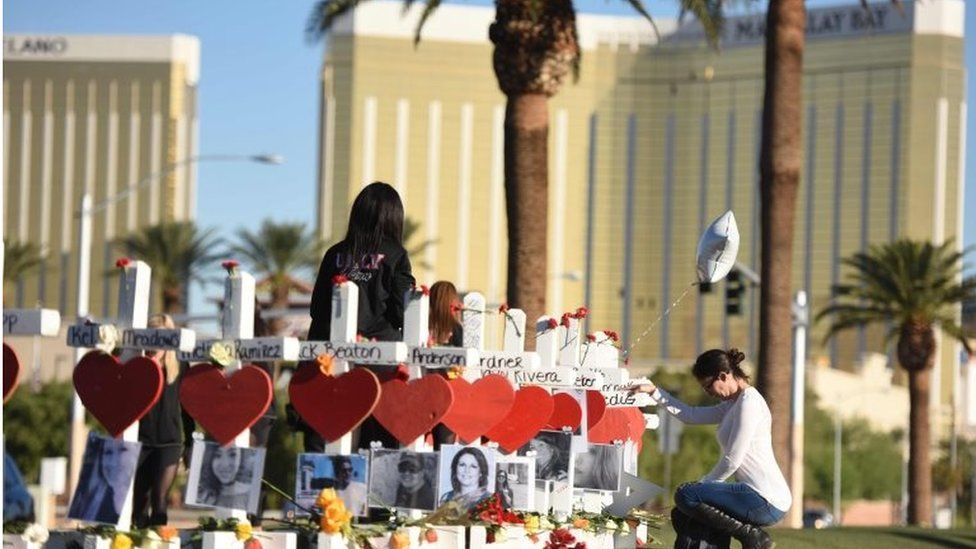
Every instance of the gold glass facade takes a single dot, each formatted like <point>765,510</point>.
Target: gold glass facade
<point>93,114</point>
<point>651,144</point>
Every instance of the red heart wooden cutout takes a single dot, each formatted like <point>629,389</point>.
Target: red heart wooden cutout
<point>596,406</point>
<point>529,414</point>
<point>478,406</point>
<point>333,405</point>
<point>117,394</point>
<point>408,410</point>
<point>11,372</point>
<point>566,412</point>
<point>614,426</point>
<point>225,405</point>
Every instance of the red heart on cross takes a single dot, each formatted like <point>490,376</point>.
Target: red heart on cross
<point>408,410</point>
<point>596,406</point>
<point>529,414</point>
<point>11,372</point>
<point>117,394</point>
<point>478,406</point>
<point>225,405</point>
<point>615,425</point>
<point>333,405</point>
<point>566,412</point>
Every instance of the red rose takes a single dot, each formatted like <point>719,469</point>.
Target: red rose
<point>552,324</point>
<point>339,280</point>
<point>402,372</point>
<point>230,264</point>
<point>565,319</point>
<point>122,262</point>
<point>503,308</point>
<point>582,312</point>
<point>591,338</point>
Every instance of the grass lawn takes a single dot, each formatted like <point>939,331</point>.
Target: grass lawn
<point>859,538</point>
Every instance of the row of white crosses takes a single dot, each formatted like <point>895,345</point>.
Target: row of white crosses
<point>130,334</point>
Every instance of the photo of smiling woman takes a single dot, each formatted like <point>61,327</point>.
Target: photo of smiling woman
<point>225,476</point>
<point>467,475</point>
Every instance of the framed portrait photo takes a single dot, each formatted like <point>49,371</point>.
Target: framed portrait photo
<point>598,468</point>
<point>228,477</point>
<point>347,474</point>
<point>467,474</point>
<point>515,482</point>
<point>404,479</point>
<point>107,470</point>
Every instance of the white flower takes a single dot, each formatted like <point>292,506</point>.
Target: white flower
<point>610,525</point>
<point>108,338</point>
<point>624,528</point>
<point>222,353</point>
<point>36,533</point>
<point>500,535</point>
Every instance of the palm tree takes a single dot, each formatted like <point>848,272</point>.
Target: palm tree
<point>913,288</point>
<point>177,251</point>
<point>277,252</point>
<point>19,259</point>
<point>536,48</point>
<point>780,158</point>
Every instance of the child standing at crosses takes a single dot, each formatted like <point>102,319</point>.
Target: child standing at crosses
<point>372,257</point>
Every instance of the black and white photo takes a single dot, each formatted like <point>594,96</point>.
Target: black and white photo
<point>347,474</point>
<point>598,468</point>
<point>106,476</point>
<point>225,476</point>
<point>403,478</point>
<point>467,474</point>
<point>515,482</point>
<point>552,452</point>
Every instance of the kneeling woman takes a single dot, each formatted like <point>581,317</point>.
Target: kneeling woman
<point>761,496</point>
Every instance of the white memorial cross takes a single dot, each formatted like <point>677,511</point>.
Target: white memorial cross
<point>513,361</point>
<point>133,313</point>
<point>344,347</point>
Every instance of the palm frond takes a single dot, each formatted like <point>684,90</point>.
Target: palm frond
<point>324,14</point>
<point>710,14</point>
<point>19,258</point>
<point>429,8</point>
<point>638,6</point>
<point>898,282</point>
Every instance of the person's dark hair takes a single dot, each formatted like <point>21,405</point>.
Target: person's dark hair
<point>377,214</point>
<point>482,466</point>
<point>718,361</point>
<point>443,317</point>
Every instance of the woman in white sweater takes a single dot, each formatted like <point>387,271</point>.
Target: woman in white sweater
<point>760,495</point>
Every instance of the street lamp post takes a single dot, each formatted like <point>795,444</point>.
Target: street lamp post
<point>801,320</point>
<point>85,214</point>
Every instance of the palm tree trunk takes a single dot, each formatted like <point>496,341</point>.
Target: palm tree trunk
<point>173,300</point>
<point>779,166</point>
<point>527,199</point>
<point>279,302</point>
<point>919,442</point>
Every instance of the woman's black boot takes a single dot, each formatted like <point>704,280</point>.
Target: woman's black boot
<point>751,537</point>
<point>691,534</point>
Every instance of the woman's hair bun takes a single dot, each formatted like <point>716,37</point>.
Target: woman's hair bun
<point>735,357</point>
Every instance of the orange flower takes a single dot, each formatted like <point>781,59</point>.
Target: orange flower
<point>455,372</point>
<point>326,498</point>
<point>399,540</point>
<point>167,532</point>
<point>581,523</point>
<point>326,363</point>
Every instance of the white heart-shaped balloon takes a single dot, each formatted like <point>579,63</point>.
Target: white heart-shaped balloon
<point>717,248</point>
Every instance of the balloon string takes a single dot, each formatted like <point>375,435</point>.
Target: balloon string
<point>626,354</point>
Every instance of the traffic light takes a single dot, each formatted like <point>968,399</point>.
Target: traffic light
<point>733,293</point>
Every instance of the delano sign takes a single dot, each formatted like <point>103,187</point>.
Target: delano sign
<point>35,46</point>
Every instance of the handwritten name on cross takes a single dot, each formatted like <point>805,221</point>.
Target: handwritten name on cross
<point>512,362</point>
<point>601,356</point>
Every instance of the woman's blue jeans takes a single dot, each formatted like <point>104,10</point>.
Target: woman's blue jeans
<point>736,499</point>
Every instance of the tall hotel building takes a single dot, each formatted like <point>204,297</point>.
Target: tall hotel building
<point>654,141</point>
<point>93,114</point>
